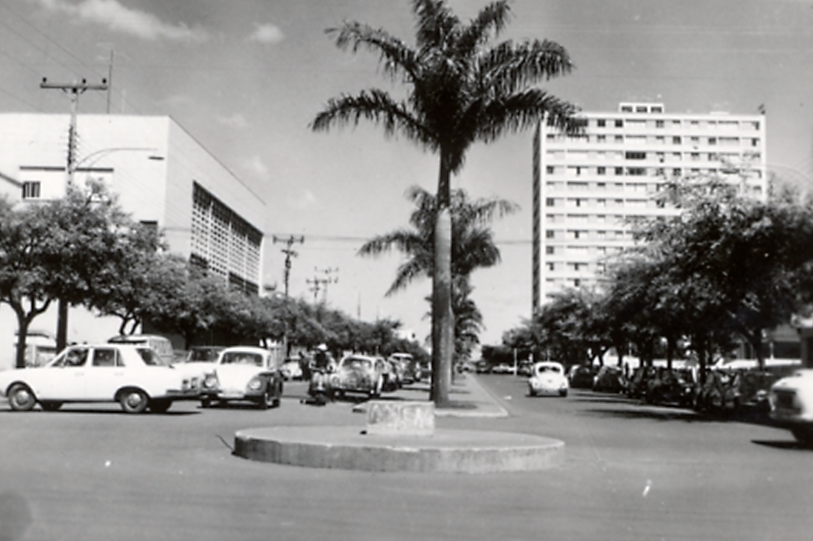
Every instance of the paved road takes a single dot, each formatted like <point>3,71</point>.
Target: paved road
<point>631,473</point>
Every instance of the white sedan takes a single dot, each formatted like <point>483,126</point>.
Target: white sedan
<point>244,373</point>
<point>547,378</point>
<point>133,376</point>
<point>791,401</point>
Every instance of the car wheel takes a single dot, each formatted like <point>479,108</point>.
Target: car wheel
<point>133,400</point>
<point>531,391</point>
<point>206,403</point>
<point>267,400</point>
<point>20,397</point>
<point>563,392</point>
<point>51,406</point>
<point>160,406</point>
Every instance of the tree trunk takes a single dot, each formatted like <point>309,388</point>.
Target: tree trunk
<point>22,337</point>
<point>442,317</point>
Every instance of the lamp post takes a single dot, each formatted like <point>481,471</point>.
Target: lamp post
<point>73,166</point>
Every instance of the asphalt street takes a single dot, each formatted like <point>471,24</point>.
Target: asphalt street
<point>631,472</point>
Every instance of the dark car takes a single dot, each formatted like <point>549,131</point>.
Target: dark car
<point>581,376</point>
<point>610,379</point>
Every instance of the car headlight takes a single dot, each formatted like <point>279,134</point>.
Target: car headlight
<point>335,380</point>
<point>210,382</point>
<point>255,384</point>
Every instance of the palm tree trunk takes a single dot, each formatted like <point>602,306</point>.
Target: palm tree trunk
<point>442,318</point>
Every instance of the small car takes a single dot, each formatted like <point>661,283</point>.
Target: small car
<point>245,374</point>
<point>291,369</point>
<point>609,379</point>
<point>547,377</point>
<point>358,374</point>
<point>581,376</point>
<point>504,368</point>
<point>791,400</point>
<point>134,376</point>
<point>410,369</point>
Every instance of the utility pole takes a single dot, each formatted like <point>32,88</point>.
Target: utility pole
<point>74,90</point>
<point>329,278</point>
<point>289,253</point>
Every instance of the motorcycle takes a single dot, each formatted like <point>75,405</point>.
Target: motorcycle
<point>319,389</point>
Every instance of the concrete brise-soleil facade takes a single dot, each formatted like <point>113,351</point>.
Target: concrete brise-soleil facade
<point>589,186</point>
<point>163,178</point>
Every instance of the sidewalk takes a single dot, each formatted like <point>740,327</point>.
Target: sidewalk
<point>467,398</point>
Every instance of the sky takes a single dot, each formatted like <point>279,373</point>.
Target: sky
<point>246,77</point>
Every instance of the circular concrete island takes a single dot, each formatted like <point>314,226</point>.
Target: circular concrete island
<point>400,436</point>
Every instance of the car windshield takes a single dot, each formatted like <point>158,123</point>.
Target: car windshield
<point>548,369</point>
<point>357,363</point>
<point>240,357</point>
<point>150,357</point>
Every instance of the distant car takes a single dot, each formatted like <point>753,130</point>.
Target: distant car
<point>610,379</point>
<point>245,374</point>
<point>503,368</point>
<point>791,400</point>
<point>580,376</point>
<point>410,371</point>
<point>291,369</point>
<point>358,374</point>
<point>547,378</point>
<point>134,376</point>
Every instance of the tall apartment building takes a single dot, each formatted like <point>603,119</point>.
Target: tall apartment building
<point>162,176</point>
<point>587,187</point>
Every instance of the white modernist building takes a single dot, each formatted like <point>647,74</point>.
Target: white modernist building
<point>587,187</point>
<point>162,176</point>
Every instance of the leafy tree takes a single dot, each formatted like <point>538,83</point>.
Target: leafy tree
<point>61,250</point>
<point>459,90</point>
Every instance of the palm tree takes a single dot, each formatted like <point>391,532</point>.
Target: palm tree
<point>472,243</point>
<point>460,90</point>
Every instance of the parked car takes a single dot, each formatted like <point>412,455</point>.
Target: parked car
<point>503,368</point>
<point>358,374</point>
<point>160,344</point>
<point>411,371</point>
<point>134,376</point>
<point>609,379</point>
<point>245,374</point>
<point>580,376</point>
<point>791,400</point>
<point>291,369</point>
<point>547,378</point>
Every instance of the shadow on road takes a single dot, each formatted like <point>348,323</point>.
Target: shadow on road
<point>782,444</point>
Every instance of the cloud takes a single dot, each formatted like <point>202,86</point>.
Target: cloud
<point>257,166</point>
<point>237,120</point>
<point>267,34</point>
<point>304,201</point>
<point>118,18</point>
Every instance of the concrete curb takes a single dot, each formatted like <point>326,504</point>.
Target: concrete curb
<point>447,451</point>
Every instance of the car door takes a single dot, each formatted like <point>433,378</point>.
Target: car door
<point>105,374</point>
<point>64,378</point>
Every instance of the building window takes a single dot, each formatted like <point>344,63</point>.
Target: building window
<point>659,123</point>
<point>549,233</point>
<point>619,123</point>
<point>712,140</point>
<point>549,202</point>
<point>619,171</point>
<point>601,123</point>
<point>676,140</point>
<point>635,155</point>
<point>549,169</point>
<point>601,171</point>
<point>31,189</point>
<point>549,250</point>
<point>656,109</point>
